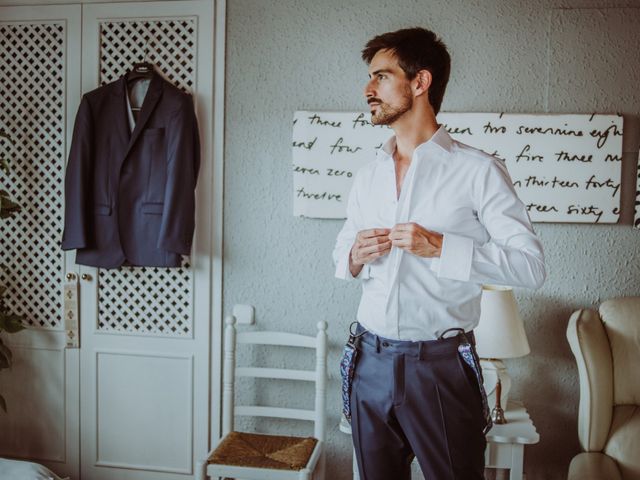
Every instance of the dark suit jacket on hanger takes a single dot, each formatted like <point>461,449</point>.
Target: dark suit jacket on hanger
<point>129,197</point>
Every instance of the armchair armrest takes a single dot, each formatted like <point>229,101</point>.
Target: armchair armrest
<point>593,466</point>
<point>590,346</point>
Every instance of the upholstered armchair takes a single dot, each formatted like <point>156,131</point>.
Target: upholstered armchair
<point>606,345</point>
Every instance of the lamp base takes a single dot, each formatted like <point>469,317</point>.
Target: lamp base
<point>497,414</point>
<point>494,372</point>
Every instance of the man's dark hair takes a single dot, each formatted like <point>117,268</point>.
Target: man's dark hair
<point>416,49</point>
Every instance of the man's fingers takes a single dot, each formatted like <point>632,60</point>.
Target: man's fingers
<point>378,247</point>
<point>370,244</point>
<point>367,242</point>
<point>401,243</point>
<point>373,256</point>
<point>395,235</point>
<point>404,227</point>
<point>370,253</point>
<point>399,235</point>
<point>374,232</point>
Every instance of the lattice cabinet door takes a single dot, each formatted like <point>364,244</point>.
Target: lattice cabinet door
<point>145,330</point>
<point>39,93</point>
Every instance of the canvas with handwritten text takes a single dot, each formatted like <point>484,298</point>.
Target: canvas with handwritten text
<point>565,168</point>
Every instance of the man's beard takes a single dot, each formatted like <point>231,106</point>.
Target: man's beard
<point>387,115</point>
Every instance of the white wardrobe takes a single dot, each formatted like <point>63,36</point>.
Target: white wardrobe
<point>139,398</point>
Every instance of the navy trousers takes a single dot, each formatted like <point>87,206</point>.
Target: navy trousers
<point>416,399</point>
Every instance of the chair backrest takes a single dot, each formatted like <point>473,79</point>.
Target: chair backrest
<point>269,338</point>
<point>621,320</point>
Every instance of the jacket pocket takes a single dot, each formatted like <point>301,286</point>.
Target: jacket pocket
<point>149,132</point>
<point>102,209</point>
<point>152,208</point>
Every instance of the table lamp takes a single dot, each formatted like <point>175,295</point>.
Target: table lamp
<point>499,335</point>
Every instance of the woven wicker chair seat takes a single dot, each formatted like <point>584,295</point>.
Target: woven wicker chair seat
<point>263,451</point>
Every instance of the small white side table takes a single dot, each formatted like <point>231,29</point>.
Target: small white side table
<point>505,443</point>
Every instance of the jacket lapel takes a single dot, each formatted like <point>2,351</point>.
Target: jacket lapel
<point>148,105</point>
<point>121,117</point>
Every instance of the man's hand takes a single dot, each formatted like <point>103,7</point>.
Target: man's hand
<point>415,239</point>
<point>369,245</point>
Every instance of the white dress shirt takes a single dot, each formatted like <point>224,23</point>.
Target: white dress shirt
<point>462,193</point>
<point>137,93</point>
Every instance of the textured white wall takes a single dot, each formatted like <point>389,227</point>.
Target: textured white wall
<point>512,56</point>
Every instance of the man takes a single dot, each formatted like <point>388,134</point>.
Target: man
<point>428,222</point>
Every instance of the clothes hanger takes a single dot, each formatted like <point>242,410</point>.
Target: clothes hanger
<point>141,70</point>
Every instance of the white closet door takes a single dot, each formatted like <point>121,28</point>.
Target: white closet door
<point>145,331</point>
<point>40,92</point>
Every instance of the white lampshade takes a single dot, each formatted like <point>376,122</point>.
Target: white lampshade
<point>500,333</point>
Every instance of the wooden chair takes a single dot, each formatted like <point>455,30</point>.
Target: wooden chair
<point>251,456</point>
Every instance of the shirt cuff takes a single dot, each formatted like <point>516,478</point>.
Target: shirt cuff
<point>343,272</point>
<point>455,258</point>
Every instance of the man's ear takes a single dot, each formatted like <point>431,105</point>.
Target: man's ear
<point>422,82</point>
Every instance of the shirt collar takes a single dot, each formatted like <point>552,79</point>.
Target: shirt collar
<point>441,139</point>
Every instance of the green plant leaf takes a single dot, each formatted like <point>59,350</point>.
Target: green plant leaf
<point>4,362</point>
<point>7,206</point>
<point>5,135</point>
<point>3,404</point>
<point>8,213</point>
<point>4,351</point>
<point>13,323</point>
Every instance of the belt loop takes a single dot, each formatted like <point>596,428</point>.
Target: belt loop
<point>377,343</point>
<point>468,337</point>
<point>471,337</point>
<point>421,351</point>
<point>455,329</point>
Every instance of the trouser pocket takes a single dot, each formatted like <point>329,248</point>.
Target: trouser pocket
<point>469,356</point>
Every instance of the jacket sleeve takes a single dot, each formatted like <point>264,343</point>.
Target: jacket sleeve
<point>183,163</point>
<point>78,181</point>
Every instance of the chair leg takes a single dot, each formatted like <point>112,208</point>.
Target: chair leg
<point>305,474</point>
<point>201,471</point>
<point>319,472</point>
